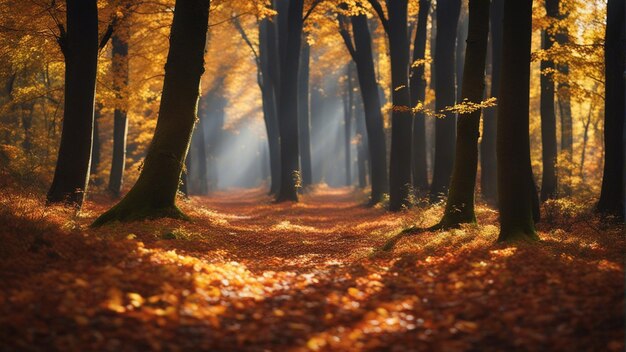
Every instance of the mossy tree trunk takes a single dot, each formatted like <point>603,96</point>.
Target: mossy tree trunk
<point>548,115</point>
<point>515,182</point>
<point>418,95</point>
<point>460,204</point>
<point>445,93</point>
<point>612,193</point>
<point>80,48</point>
<point>154,194</point>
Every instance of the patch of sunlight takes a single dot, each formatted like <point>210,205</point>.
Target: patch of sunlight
<point>606,265</point>
<point>288,226</point>
<point>503,253</point>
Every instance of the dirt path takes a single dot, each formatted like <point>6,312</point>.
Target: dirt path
<point>248,274</point>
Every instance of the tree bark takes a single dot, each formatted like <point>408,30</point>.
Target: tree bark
<point>515,182</point>
<point>80,48</point>
<point>361,151</point>
<point>348,115</point>
<point>445,92</point>
<point>154,194</point>
<point>288,107</point>
<point>548,116</point>
<point>304,113</point>
<point>612,193</point>
<point>488,183</point>
<point>418,95</point>
<point>267,55</point>
<point>460,203</point>
<point>95,148</point>
<point>371,102</point>
<point>120,66</point>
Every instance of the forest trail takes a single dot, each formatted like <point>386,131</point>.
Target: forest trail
<point>249,274</point>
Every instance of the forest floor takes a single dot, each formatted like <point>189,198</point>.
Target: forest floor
<point>247,274</point>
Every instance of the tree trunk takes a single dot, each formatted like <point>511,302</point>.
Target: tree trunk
<point>304,123</point>
<point>418,95</point>
<point>401,116</point>
<point>371,102</point>
<point>348,113</point>
<point>199,182</point>
<point>548,116</point>
<point>267,53</point>
<point>120,68</point>
<point>445,91</point>
<point>95,148</point>
<point>488,183</point>
<point>460,204</point>
<point>288,107</point>
<point>361,151</point>
<point>154,194</point>
<point>515,183</point>
<point>612,193</point>
<point>461,46</point>
<point>80,47</point>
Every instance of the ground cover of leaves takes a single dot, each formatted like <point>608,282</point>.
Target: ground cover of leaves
<point>250,275</point>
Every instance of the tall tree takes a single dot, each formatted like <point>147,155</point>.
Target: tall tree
<point>348,114</point>
<point>560,12</point>
<point>154,193</point>
<point>361,52</point>
<point>548,115</point>
<point>401,117</point>
<point>612,193</point>
<point>488,141</point>
<point>460,203</point>
<point>79,45</point>
<point>515,181</point>
<point>304,115</point>
<point>289,50</point>
<point>445,93</point>
<point>120,66</point>
<point>418,95</point>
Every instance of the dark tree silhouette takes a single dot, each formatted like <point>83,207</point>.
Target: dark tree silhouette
<point>418,94</point>
<point>612,193</point>
<point>120,66</point>
<point>548,116</point>
<point>80,49</point>
<point>445,91</point>
<point>460,203</point>
<point>362,55</point>
<point>304,113</point>
<point>488,184</point>
<point>516,190</point>
<point>154,194</point>
<point>401,117</point>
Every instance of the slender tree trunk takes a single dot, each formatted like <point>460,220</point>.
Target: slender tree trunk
<point>288,107</point>
<point>80,47</point>
<point>515,183</point>
<point>154,194</point>
<point>267,53</point>
<point>612,193</point>
<point>348,114</point>
<point>304,113</point>
<point>120,68</point>
<point>401,116</point>
<point>199,145</point>
<point>95,147</point>
<point>445,91</point>
<point>548,116</point>
<point>361,151</point>
<point>418,95</point>
<point>371,102</point>
<point>488,183</point>
<point>460,203</point>
<point>461,46</point>
<point>564,102</point>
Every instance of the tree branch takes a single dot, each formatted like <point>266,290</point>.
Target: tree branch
<point>106,36</point>
<point>381,14</point>
<point>245,38</point>
<point>343,31</point>
<point>313,6</point>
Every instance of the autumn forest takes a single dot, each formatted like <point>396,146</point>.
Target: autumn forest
<point>312,175</point>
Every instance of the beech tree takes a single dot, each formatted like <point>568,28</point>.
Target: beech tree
<point>154,193</point>
<point>612,193</point>
<point>445,92</point>
<point>516,190</point>
<point>460,203</point>
<point>361,52</point>
<point>79,45</point>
